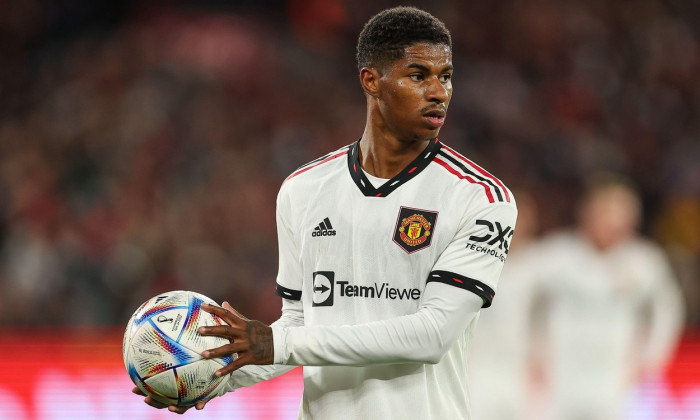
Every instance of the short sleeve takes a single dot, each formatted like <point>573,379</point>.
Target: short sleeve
<point>474,259</point>
<point>289,278</point>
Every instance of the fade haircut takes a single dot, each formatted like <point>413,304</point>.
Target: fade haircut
<point>386,35</point>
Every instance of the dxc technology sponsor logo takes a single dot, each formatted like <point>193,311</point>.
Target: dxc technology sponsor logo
<point>497,234</point>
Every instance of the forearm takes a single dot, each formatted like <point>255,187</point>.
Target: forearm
<point>665,327</point>
<point>422,337</point>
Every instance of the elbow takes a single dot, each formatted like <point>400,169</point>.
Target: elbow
<point>434,335</point>
<point>432,354</point>
<point>432,359</point>
<point>433,345</point>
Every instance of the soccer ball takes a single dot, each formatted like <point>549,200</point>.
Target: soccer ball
<point>162,349</point>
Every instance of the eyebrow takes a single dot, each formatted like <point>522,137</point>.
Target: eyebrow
<point>426,69</point>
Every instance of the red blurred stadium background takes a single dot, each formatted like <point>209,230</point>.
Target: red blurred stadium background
<point>79,374</point>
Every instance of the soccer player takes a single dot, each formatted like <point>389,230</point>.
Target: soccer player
<point>614,311</point>
<point>388,249</point>
<point>500,377</point>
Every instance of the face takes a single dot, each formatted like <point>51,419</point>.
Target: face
<point>413,93</point>
<point>610,216</point>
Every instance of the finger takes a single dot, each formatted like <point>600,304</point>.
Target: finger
<point>229,308</point>
<point>219,330</point>
<point>179,409</point>
<point>136,390</point>
<point>200,405</point>
<point>224,350</point>
<point>225,314</point>
<point>153,403</point>
<point>236,364</point>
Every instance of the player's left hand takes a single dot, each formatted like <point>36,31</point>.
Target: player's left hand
<point>172,408</point>
<point>251,339</point>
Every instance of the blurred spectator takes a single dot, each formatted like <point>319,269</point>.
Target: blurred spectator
<point>500,380</point>
<point>613,309</point>
<point>141,146</point>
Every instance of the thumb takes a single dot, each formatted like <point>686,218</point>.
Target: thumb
<point>229,308</point>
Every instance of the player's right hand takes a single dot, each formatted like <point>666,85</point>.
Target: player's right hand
<point>250,340</point>
<point>172,408</point>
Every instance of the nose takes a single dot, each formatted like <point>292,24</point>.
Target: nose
<point>438,91</point>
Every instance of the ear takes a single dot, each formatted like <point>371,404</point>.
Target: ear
<point>369,79</point>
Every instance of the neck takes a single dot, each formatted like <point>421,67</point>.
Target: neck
<point>385,156</point>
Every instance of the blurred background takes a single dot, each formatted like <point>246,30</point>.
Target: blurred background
<point>142,143</point>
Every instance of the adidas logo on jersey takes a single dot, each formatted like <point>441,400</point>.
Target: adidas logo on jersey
<point>323,229</point>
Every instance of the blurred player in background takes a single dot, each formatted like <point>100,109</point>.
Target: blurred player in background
<point>499,361</point>
<point>389,247</point>
<point>613,309</point>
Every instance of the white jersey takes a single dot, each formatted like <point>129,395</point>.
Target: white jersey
<point>378,283</point>
<point>611,314</point>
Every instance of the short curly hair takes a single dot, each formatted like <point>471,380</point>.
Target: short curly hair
<point>386,35</point>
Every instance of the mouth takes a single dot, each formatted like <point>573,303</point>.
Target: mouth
<point>435,117</point>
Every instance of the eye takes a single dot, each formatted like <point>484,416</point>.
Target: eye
<point>416,77</point>
<point>445,78</point>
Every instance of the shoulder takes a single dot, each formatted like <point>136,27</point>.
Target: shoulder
<point>645,251</point>
<point>303,184</point>
<point>467,174</point>
<point>483,197</point>
<point>319,166</point>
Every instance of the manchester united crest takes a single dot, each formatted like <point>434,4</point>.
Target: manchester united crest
<point>414,229</point>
